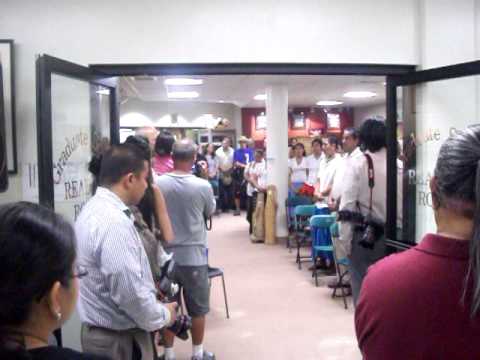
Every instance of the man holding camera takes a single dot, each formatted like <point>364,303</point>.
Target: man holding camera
<point>118,304</point>
<point>363,201</point>
<point>189,201</point>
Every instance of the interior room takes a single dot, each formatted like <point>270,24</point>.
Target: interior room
<point>375,256</point>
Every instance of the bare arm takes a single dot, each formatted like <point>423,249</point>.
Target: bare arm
<point>162,214</point>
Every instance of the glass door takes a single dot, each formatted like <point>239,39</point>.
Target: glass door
<point>423,109</point>
<point>77,116</point>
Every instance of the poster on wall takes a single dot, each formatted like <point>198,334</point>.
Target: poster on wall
<point>6,58</point>
<point>80,127</point>
<point>333,121</point>
<point>261,122</point>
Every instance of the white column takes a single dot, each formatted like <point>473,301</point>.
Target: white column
<point>277,149</point>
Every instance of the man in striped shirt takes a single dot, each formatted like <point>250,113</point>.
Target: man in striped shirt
<point>117,304</point>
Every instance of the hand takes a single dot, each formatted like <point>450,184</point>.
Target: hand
<point>172,307</point>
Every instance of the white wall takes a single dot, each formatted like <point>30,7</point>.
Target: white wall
<point>155,31</point>
<point>360,114</point>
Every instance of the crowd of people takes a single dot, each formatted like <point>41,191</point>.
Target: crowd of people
<point>145,227</point>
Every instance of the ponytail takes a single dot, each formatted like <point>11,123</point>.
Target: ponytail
<point>457,180</point>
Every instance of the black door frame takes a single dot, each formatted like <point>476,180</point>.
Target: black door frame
<point>393,82</point>
<point>46,66</point>
<point>391,72</point>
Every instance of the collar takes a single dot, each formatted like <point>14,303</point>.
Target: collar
<point>438,245</point>
<point>112,198</point>
<point>355,153</point>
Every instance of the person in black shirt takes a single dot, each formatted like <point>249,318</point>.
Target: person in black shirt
<point>38,282</point>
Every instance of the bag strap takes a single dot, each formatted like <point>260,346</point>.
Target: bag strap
<point>371,178</point>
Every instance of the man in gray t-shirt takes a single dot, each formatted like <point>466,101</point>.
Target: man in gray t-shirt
<point>189,201</point>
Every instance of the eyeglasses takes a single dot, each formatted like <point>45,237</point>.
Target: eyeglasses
<point>79,272</point>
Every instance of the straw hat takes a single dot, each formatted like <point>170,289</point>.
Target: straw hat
<point>243,139</point>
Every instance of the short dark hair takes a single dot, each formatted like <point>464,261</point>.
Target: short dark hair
<point>317,141</point>
<point>164,143</point>
<point>119,161</point>
<point>373,135</point>
<point>183,150</point>
<point>299,144</point>
<point>352,131</point>
<point>260,151</point>
<point>333,140</point>
<point>37,250</point>
<point>141,142</point>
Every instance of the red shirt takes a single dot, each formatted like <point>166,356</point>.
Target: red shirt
<point>162,164</point>
<point>411,307</point>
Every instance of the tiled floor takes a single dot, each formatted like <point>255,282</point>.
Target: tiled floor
<point>276,310</point>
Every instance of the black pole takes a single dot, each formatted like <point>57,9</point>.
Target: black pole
<point>391,124</point>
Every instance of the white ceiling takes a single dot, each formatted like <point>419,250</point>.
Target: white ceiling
<point>240,89</point>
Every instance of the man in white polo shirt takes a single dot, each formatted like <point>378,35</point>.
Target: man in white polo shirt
<point>327,170</point>
<point>314,160</point>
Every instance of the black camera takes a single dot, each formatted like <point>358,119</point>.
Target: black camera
<point>170,289</point>
<point>372,229</point>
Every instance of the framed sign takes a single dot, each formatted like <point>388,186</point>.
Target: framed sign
<point>298,121</point>
<point>260,122</point>
<point>333,121</point>
<point>7,64</point>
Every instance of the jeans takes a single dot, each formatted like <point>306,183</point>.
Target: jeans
<point>226,196</point>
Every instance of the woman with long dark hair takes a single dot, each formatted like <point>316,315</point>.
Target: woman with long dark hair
<point>424,303</point>
<point>38,281</point>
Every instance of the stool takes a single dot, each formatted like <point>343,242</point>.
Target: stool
<point>215,272</point>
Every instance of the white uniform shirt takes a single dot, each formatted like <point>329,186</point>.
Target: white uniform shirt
<point>299,171</point>
<point>355,186</point>
<point>258,170</point>
<point>327,170</point>
<point>313,165</point>
<point>340,174</point>
<point>225,158</point>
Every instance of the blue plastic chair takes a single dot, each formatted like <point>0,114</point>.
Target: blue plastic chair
<point>320,222</point>
<point>302,229</point>
<point>334,231</point>
<point>290,204</point>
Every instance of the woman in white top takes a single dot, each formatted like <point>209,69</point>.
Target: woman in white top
<point>255,175</point>
<point>298,168</point>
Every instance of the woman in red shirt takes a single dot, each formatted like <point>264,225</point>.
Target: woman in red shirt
<point>424,303</point>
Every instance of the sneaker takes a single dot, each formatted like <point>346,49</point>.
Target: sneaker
<point>236,213</point>
<point>206,356</point>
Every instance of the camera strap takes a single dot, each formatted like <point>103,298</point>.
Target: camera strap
<point>371,178</point>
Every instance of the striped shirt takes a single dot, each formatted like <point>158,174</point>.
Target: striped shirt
<point>118,293</point>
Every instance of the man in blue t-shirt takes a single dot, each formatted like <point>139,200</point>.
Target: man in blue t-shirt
<point>242,156</point>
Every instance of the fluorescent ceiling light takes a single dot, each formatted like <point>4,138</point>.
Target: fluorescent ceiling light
<point>103,92</point>
<point>329,102</point>
<point>359,94</point>
<point>183,81</point>
<point>183,95</point>
<point>260,97</point>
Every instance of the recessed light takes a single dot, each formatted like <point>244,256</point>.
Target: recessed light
<point>359,94</point>
<point>183,95</point>
<point>260,97</point>
<point>221,101</point>
<point>329,102</point>
<point>183,81</point>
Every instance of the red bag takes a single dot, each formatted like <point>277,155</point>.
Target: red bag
<point>306,190</point>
